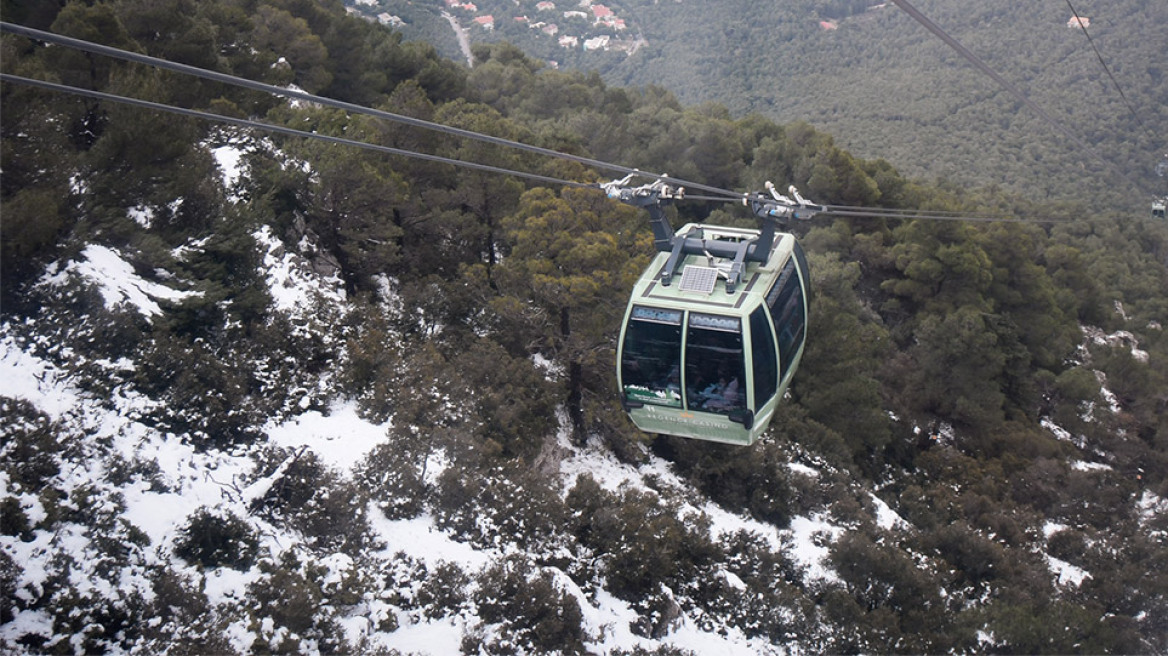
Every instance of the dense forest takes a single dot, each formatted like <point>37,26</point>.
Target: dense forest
<point>885,87</point>
<point>974,451</point>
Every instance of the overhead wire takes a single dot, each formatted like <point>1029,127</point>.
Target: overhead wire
<point>853,211</point>
<point>1011,88</point>
<point>279,129</point>
<point>1107,69</point>
<point>233,80</point>
<point>725,195</point>
<point>876,213</point>
<point>894,210</point>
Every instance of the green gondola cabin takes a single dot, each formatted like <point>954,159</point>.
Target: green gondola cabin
<point>710,356</point>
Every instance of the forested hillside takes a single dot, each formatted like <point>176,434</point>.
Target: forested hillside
<point>265,394</point>
<point>878,81</point>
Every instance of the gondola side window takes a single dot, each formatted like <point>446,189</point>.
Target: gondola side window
<point>715,368</point>
<point>766,367</point>
<point>651,357</point>
<point>785,301</point>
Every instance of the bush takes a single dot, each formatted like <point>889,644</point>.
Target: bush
<point>640,540</point>
<point>393,474</point>
<point>290,596</point>
<point>182,622</point>
<point>444,591</point>
<point>657,614</point>
<point>13,519</point>
<point>507,505</point>
<point>534,616</point>
<point>30,443</point>
<point>880,576</point>
<point>753,479</point>
<point>9,577</point>
<point>203,391</point>
<point>311,498</point>
<point>215,540</point>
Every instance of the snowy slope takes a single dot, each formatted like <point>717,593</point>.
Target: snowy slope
<point>128,530</point>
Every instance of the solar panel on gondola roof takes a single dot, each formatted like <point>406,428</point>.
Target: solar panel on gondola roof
<point>698,279</point>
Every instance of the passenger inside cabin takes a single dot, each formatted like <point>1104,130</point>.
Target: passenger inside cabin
<point>723,395</point>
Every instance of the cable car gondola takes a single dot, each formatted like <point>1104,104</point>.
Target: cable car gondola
<point>708,356</point>
<point>1158,207</point>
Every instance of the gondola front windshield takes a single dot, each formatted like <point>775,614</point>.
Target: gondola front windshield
<point>651,361</point>
<point>715,377</point>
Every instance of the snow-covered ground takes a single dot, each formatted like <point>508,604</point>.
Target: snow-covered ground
<point>163,480</point>
<point>106,270</point>
<point>185,479</point>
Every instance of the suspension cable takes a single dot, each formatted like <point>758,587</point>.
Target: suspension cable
<point>894,210</point>
<point>879,213</point>
<point>278,129</point>
<point>233,80</point>
<point>1106,69</point>
<point>1015,91</point>
<point>852,211</point>
<point>725,195</point>
<point>832,210</point>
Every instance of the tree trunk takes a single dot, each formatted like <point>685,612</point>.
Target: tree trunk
<point>575,382</point>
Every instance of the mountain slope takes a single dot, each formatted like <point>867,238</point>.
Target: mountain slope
<point>263,393</point>
<point>885,87</point>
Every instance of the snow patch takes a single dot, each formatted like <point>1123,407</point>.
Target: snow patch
<point>341,438</point>
<point>1108,395</point>
<point>24,376</point>
<point>1152,507</point>
<point>1066,573</point>
<point>800,468</point>
<point>886,517</point>
<point>425,638</point>
<point>812,537</point>
<point>1061,433</point>
<point>419,538</point>
<point>1117,339</point>
<point>724,523</point>
<point>294,287</point>
<point>230,161</point>
<point>142,215</point>
<point>115,278</point>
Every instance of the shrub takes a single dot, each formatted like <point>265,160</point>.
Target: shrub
<point>392,476</point>
<point>640,540</point>
<point>657,614</point>
<point>880,576</point>
<point>29,445</point>
<point>13,520</point>
<point>309,497</point>
<point>203,389</point>
<point>507,505</point>
<point>534,616</point>
<point>217,540</point>
<point>182,622</point>
<point>755,479</point>
<point>9,577</point>
<point>444,591</point>
<point>290,596</point>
